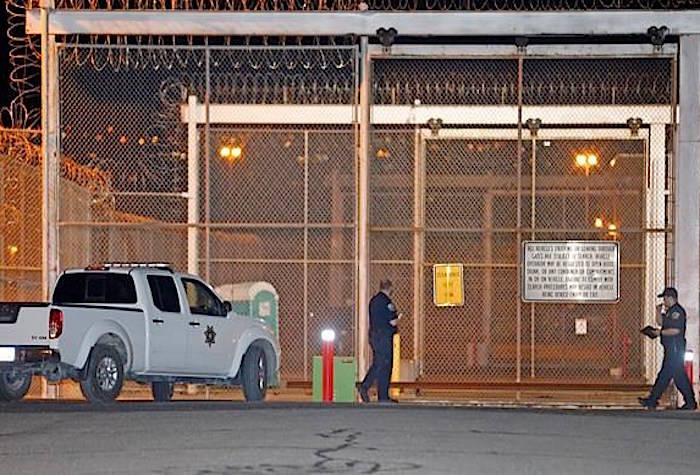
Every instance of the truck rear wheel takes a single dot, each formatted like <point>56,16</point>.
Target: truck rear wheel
<point>14,384</point>
<point>105,375</point>
<point>254,374</point>
<point>162,391</point>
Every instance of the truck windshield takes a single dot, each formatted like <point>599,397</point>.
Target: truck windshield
<point>95,287</point>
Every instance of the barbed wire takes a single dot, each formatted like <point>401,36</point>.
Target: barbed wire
<point>25,71</point>
<point>24,110</point>
<point>24,147</point>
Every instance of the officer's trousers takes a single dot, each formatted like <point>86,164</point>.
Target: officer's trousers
<point>673,368</point>
<point>382,363</point>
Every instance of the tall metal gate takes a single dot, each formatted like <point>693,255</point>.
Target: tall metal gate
<point>476,153</point>
<point>240,164</point>
<point>215,189</point>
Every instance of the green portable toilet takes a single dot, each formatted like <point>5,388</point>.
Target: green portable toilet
<point>257,300</point>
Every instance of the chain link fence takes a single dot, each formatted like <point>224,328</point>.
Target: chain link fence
<point>20,215</point>
<point>193,177</point>
<point>470,185</point>
<point>21,211</point>
<point>240,164</point>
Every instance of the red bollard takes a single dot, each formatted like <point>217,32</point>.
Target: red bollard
<point>689,357</point>
<point>327,338</point>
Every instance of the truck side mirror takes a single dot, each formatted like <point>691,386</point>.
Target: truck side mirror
<point>228,306</point>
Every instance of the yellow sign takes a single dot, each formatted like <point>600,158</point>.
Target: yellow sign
<point>448,285</point>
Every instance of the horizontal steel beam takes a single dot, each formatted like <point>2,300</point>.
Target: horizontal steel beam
<point>323,23</point>
<point>485,388</point>
<point>403,114</point>
<point>423,51</point>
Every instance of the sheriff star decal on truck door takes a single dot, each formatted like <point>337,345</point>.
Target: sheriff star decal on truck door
<point>210,336</point>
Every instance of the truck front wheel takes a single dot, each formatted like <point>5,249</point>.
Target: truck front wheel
<point>105,375</point>
<point>14,384</point>
<point>254,374</point>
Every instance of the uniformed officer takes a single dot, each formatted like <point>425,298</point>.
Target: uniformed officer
<point>672,333</point>
<point>383,319</point>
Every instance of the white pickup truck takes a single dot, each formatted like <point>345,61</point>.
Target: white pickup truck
<point>147,323</point>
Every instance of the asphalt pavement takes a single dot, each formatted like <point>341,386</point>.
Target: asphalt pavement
<point>191,437</point>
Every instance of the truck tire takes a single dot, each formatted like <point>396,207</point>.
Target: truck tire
<point>162,391</point>
<point>254,374</point>
<point>104,376</point>
<point>14,384</point>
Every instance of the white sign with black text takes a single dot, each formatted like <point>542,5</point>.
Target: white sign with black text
<point>571,271</point>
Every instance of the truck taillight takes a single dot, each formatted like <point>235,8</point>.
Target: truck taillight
<point>55,323</point>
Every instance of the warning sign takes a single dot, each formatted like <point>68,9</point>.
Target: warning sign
<point>448,285</point>
<point>571,271</point>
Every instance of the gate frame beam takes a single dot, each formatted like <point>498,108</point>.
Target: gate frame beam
<point>339,23</point>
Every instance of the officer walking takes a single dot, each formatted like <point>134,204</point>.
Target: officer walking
<point>383,319</point>
<point>672,333</point>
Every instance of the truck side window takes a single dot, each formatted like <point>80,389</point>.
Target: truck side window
<point>164,293</point>
<point>201,300</point>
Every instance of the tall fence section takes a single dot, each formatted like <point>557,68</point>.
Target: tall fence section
<point>504,150</point>
<point>241,164</point>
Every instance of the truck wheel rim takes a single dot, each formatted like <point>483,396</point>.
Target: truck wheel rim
<point>261,373</point>
<point>107,373</point>
<point>14,379</point>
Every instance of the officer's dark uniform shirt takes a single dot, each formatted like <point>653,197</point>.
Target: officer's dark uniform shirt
<point>674,318</point>
<point>381,311</point>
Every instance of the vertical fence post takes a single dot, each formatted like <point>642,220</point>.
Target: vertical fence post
<point>418,224</point>
<point>306,255</point>
<point>49,162</point>
<point>49,134</point>
<point>656,220</point>
<point>518,336</point>
<point>192,186</point>
<point>687,181</point>
<point>363,209</point>
<point>207,164</point>
<point>533,146</point>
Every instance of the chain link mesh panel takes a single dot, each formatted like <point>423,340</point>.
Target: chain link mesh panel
<point>20,215</point>
<point>470,194</point>
<point>473,187</point>
<point>391,215</point>
<point>226,190</point>
<point>276,192</point>
<point>589,187</point>
<point>593,201</point>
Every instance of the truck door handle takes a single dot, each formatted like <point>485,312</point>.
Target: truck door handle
<point>158,321</point>
<point>194,324</point>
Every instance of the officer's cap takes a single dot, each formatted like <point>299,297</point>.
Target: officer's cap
<point>669,292</point>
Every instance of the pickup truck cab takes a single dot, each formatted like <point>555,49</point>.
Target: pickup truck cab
<point>113,322</point>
